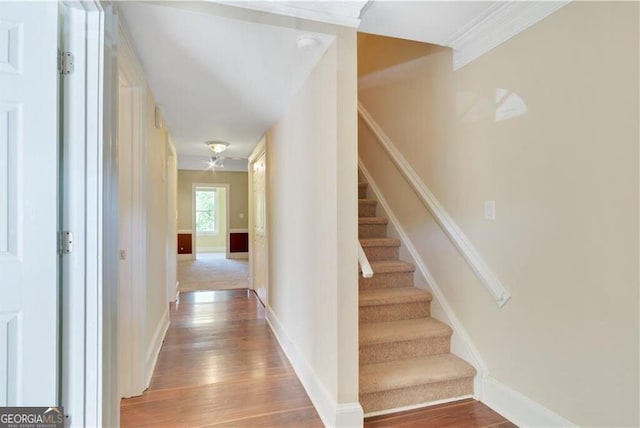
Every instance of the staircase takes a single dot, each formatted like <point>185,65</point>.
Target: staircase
<point>404,353</point>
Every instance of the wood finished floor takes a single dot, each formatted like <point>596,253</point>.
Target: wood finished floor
<point>220,365</point>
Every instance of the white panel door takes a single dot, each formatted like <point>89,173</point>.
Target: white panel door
<point>259,249</point>
<point>28,203</point>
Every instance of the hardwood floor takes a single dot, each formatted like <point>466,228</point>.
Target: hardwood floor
<point>459,414</point>
<point>220,365</point>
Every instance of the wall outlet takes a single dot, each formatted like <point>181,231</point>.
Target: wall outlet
<point>490,210</point>
<point>241,215</point>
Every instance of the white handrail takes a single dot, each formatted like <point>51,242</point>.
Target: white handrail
<point>449,227</point>
<point>367,272</point>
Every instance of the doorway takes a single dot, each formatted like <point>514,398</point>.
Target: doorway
<point>258,221</point>
<point>210,220</point>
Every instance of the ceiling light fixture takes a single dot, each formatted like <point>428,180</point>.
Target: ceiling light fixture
<point>216,162</point>
<point>306,42</point>
<point>217,146</point>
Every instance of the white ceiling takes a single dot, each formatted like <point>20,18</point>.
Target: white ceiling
<point>217,78</point>
<point>226,69</point>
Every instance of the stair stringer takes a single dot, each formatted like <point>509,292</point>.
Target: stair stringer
<point>461,343</point>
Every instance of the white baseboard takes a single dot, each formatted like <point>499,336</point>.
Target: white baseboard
<point>238,255</point>
<point>154,347</point>
<point>519,409</point>
<point>331,413</point>
<point>221,249</point>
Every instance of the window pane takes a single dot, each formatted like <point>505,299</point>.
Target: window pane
<point>205,221</point>
<point>206,210</point>
<point>205,200</point>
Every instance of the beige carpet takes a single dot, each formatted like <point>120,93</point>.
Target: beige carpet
<point>212,271</point>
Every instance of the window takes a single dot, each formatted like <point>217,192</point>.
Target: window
<point>207,211</point>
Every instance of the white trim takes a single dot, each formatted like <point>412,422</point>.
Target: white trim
<point>365,266</point>
<point>349,415</point>
<point>171,190</point>
<point>339,13</point>
<point>258,151</point>
<point>194,234</point>
<point>243,256</point>
<point>89,302</point>
<point>185,232</point>
<point>416,406</point>
<point>331,413</point>
<point>498,25</point>
<point>133,296</point>
<point>461,343</point>
<point>211,249</point>
<point>519,409</point>
<point>448,225</point>
<point>155,345</point>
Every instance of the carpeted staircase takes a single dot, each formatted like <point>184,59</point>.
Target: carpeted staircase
<point>404,353</point>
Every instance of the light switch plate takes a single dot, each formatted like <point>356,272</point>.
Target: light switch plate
<point>490,210</point>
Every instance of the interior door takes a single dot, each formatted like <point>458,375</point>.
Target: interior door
<point>259,229</point>
<point>28,204</point>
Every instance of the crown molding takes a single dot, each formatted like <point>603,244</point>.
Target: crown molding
<point>345,13</point>
<point>498,25</point>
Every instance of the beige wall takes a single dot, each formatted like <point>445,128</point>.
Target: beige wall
<point>312,227</point>
<point>563,171</point>
<point>238,195</point>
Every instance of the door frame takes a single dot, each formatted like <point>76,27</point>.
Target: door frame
<point>88,162</point>
<point>258,152</point>
<point>133,295</point>
<point>194,187</point>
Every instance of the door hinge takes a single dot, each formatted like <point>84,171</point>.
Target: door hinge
<point>65,242</point>
<point>65,62</point>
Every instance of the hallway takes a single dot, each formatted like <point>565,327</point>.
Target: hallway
<point>212,271</point>
<point>220,365</point>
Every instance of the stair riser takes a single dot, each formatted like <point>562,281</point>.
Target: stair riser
<point>375,254</point>
<point>392,399</point>
<point>386,280</point>
<point>372,230</point>
<point>362,193</point>
<point>395,311</point>
<point>366,210</point>
<point>406,349</point>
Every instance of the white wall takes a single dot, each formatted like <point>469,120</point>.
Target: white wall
<point>157,234</point>
<point>148,182</point>
<point>311,179</point>
<point>172,219</point>
<point>564,174</point>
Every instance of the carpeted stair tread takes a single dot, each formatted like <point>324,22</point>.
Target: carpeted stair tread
<point>391,375</point>
<point>389,266</point>
<point>362,184</point>
<point>403,330</point>
<point>392,296</point>
<point>364,201</point>
<point>373,220</point>
<point>379,242</point>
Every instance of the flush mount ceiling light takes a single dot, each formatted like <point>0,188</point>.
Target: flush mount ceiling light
<point>217,146</point>
<point>306,42</point>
